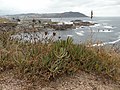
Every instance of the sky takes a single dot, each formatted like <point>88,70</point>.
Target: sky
<point>99,7</point>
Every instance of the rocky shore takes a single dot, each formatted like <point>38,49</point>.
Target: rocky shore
<point>42,24</point>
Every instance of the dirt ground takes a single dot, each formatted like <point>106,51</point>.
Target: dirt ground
<point>78,81</point>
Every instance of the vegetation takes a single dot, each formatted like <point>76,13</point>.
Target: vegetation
<point>2,20</point>
<point>48,60</point>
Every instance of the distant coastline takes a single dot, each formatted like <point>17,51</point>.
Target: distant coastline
<point>50,15</point>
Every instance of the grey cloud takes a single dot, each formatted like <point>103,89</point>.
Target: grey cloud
<point>69,5</point>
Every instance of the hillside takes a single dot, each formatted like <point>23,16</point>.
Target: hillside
<point>50,15</point>
<point>63,15</point>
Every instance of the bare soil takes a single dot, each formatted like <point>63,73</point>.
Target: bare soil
<point>78,81</point>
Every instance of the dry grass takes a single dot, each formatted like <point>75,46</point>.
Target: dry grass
<point>33,60</point>
<point>2,20</point>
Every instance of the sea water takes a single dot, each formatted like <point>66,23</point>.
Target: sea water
<point>107,30</point>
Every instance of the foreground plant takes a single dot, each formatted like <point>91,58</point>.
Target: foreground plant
<point>56,58</point>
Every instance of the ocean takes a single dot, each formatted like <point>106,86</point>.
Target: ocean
<point>107,30</point>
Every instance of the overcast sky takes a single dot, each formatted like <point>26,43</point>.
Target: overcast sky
<point>100,7</point>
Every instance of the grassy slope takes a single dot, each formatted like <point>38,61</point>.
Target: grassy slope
<point>48,61</point>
